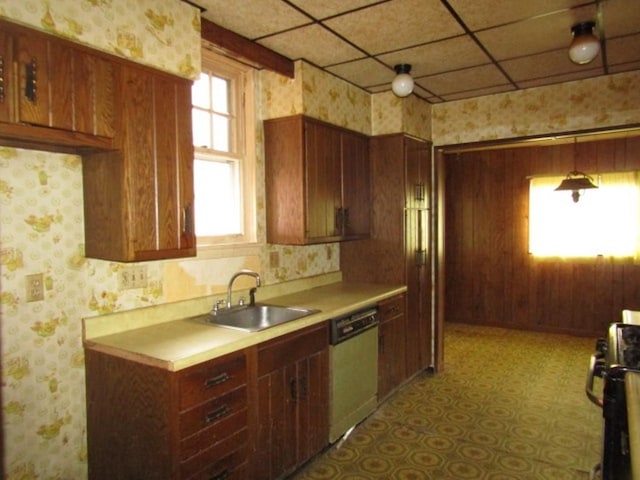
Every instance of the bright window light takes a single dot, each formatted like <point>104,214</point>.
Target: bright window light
<point>605,221</point>
<point>224,163</point>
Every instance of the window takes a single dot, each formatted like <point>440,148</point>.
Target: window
<point>605,221</point>
<point>224,165</point>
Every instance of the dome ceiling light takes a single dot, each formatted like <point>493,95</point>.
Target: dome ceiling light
<point>402,84</point>
<point>585,45</point>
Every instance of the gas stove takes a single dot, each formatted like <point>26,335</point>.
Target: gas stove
<point>616,355</point>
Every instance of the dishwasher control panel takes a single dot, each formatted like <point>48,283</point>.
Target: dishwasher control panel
<point>348,326</point>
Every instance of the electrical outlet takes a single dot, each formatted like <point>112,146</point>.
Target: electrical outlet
<point>35,287</point>
<point>132,277</point>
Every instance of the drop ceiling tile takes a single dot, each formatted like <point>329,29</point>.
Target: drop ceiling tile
<point>437,57</point>
<point>329,8</point>
<point>313,43</point>
<point>474,78</point>
<point>478,93</point>
<point>543,65</point>
<point>366,72</point>
<point>479,15</point>
<point>567,77</point>
<point>624,67</point>
<point>623,49</point>
<point>533,36</point>
<point>248,18</point>
<point>621,17</point>
<point>396,24</point>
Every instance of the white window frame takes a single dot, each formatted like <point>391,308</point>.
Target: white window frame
<point>242,150</point>
<point>604,222</point>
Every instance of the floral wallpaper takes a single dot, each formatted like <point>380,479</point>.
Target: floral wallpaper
<point>161,33</point>
<point>316,94</point>
<point>391,114</point>
<point>607,101</point>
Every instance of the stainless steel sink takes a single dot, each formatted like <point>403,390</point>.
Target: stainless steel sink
<point>254,318</point>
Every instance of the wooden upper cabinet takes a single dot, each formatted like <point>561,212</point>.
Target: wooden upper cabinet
<point>54,92</point>
<point>317,179</point>
<point>139,199</point>
<point>64,86</point>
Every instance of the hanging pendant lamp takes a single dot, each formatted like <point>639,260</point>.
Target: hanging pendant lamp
<point>576,181</point>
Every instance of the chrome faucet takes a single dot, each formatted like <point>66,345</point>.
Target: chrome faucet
<point>250,273</point>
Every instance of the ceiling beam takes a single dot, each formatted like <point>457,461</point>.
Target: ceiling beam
<point>244,48</point>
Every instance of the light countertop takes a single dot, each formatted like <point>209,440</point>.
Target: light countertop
<point>632,387</point>
<point>183,342</point>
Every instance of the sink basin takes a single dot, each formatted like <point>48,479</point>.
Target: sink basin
<point>255,318</point>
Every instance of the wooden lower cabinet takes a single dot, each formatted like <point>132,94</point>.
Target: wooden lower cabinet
<point>293,402</point>
<point>258,413</point>
<point>391,345</point>
<point>145,422</point>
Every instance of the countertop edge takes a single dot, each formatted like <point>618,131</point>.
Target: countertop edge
<point>223,340</point>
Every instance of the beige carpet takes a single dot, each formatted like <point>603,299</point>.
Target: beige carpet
<point>510,405</point>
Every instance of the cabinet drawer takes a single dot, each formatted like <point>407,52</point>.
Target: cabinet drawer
<point>217,458</point>
<point>213,417</point>
<point>212,379</point>
<point>391,308</point>
<point>290,348</point>
<point>233,467</point>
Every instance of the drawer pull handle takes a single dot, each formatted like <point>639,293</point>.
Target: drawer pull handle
<point>393,309</point>
<point>217,380</point>
<point>221,476</point>
<point>217,414</point>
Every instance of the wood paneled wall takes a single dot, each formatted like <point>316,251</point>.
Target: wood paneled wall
<point>490,277</point>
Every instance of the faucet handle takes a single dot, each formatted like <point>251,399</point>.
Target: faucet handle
<point>241,301</point>
<point>216,306</point>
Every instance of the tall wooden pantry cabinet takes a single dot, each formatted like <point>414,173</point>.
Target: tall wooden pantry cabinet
<point>398,248</point>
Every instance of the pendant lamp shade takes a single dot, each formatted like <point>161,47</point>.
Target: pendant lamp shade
<point>575,182</point>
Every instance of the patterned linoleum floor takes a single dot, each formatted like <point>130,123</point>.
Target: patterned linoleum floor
<point>510,405</point>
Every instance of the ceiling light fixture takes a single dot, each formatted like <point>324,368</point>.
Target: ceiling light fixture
<point>576,181</point>
<point>402,84</point>
<point>585,45</point>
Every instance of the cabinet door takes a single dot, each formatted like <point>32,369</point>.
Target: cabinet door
<point>391,345</point>
<point>313,405</point>
<point>293,396</point>
<point>64,87</point>
<point>418,346</point>
<point>159,165</point>
<point>356,200</point>
<point>6,63</point>
<point>276,437</point>
<point>323,182</point>
<point>33,73</point>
